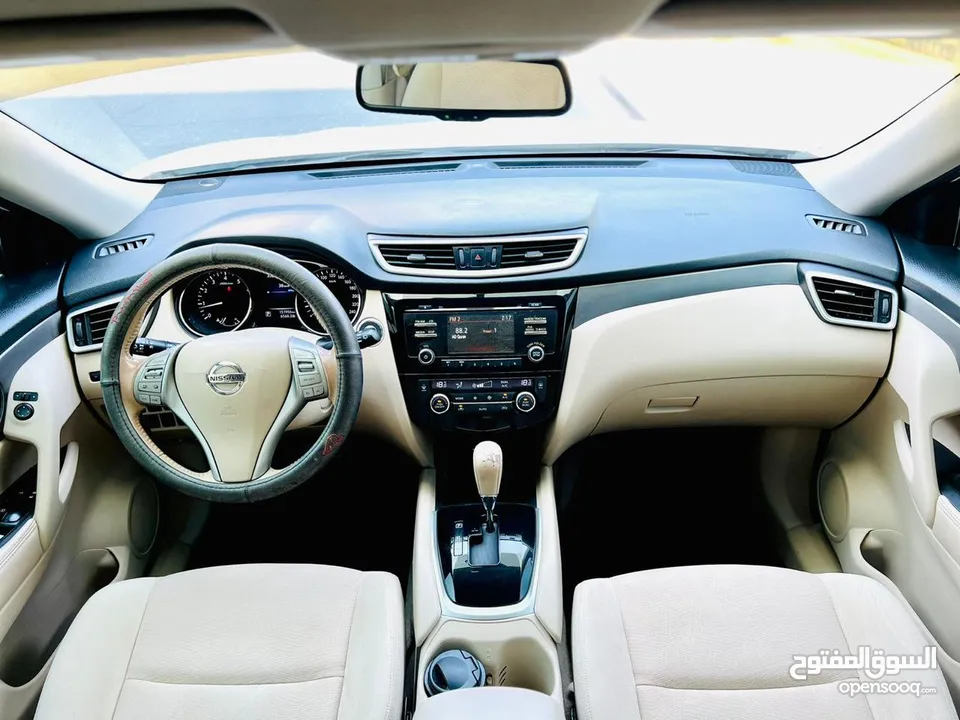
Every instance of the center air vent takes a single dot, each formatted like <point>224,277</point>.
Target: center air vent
<point>477,257</point>
<point>87,327</point>
<point>858,303</point>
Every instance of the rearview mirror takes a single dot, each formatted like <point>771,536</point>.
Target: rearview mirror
<point>466,90</point>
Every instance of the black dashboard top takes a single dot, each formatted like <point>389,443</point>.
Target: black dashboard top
<point>646,218</point>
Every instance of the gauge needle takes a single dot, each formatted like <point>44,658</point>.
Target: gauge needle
<point>204,307</point>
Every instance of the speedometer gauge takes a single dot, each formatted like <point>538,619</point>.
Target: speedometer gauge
<point>214,302</point>
<point>344,289</point>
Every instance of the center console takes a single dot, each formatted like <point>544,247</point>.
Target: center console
<point>482,374</point>
<point>480,363</point>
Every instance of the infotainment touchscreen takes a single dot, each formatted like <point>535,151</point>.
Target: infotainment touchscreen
<point>477,333</point>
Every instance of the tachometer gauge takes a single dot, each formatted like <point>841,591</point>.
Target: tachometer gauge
<point>344,289</point>
<point>214,302</point>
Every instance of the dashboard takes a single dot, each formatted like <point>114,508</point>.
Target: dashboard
<point>224,300</point>
<point>672,291</point>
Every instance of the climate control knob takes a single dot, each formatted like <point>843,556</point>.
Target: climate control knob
<point>439,404</point>
<point>426,356</point>
<point>536,353</point>
<point>526,401</point>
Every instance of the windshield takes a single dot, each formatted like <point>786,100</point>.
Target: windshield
<point>788,98</point>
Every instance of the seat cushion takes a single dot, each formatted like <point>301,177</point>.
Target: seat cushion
<point>258,642</point>
<point>719,642</point>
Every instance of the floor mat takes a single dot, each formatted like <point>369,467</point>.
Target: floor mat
<point>661,498</point>
<point>358,512</point>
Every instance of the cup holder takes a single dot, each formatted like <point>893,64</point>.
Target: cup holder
<point>453,670</point>
<point>521,662</point>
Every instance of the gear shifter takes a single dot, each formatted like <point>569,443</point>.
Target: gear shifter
<point>487,470</point>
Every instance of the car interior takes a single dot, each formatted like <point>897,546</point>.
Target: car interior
<point>425,368</point>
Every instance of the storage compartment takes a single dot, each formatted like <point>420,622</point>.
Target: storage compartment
<point>514,653</point>
<point>44,620</point>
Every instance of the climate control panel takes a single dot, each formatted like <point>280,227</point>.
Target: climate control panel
<point>484,403</point>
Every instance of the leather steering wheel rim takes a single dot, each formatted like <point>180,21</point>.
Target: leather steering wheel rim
<point>148,289</point>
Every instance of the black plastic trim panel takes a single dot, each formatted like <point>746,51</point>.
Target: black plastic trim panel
<point>27,301</point>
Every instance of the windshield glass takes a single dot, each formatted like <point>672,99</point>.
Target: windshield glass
<point>789,98</point>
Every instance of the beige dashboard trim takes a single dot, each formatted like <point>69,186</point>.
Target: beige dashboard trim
<point>732,349</point>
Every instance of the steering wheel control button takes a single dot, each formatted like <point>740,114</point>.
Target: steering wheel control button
<point>536,353</point>
<point>152,386</point>
<point>439,404</point>
<point>526,401</point>
<point>23,411</point>
<point>426,356</point>
<point>305,366</point>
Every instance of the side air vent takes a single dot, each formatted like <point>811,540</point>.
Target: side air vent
<point>115,247</point>
<point>478,257</point>
<point>86,327</point>
<point>846,226</point>
<point>847,301</point>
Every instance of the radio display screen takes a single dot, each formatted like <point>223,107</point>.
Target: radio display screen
<point>481,333</point>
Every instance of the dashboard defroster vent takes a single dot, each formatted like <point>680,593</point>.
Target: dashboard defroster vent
<point>116,247</point>
<point>846,226</point>
<point>478,257</point>
<point>848,301</point>
<point>86,327</point>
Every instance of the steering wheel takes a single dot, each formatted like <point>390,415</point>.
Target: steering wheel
<point>237,391</point>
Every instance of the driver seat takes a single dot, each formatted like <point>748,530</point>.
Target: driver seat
<point>259,642</point>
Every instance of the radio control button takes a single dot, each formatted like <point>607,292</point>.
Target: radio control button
<point>426,356</point>
<point>526,401</point>
<point>536,353</point>
<point>439,404</point>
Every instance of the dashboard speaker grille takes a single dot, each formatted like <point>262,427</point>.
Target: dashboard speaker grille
<point>496,256</point>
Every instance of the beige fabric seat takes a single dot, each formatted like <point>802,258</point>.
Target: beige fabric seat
<point>258,642</point>
<point>718,642</point>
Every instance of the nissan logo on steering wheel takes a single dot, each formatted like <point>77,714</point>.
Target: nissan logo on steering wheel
<point>226,378</point>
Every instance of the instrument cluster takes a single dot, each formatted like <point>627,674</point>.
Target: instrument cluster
<point>227,299</point>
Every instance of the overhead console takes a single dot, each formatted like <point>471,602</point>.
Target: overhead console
<point>480,363</point>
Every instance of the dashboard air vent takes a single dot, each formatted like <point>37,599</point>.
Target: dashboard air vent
<point>846,301</point>
<point>478,257</point>
<point>847,226</point>
<point>388,170</point>
<point>419,256</point>
<point>88,326</point>
<point>534,253</point>
<point>570,164</point>
<point>120,246</point>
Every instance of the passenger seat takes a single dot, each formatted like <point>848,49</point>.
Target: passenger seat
<point>719,642</point>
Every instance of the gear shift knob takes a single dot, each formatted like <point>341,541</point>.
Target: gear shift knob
<point>487,470</point>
